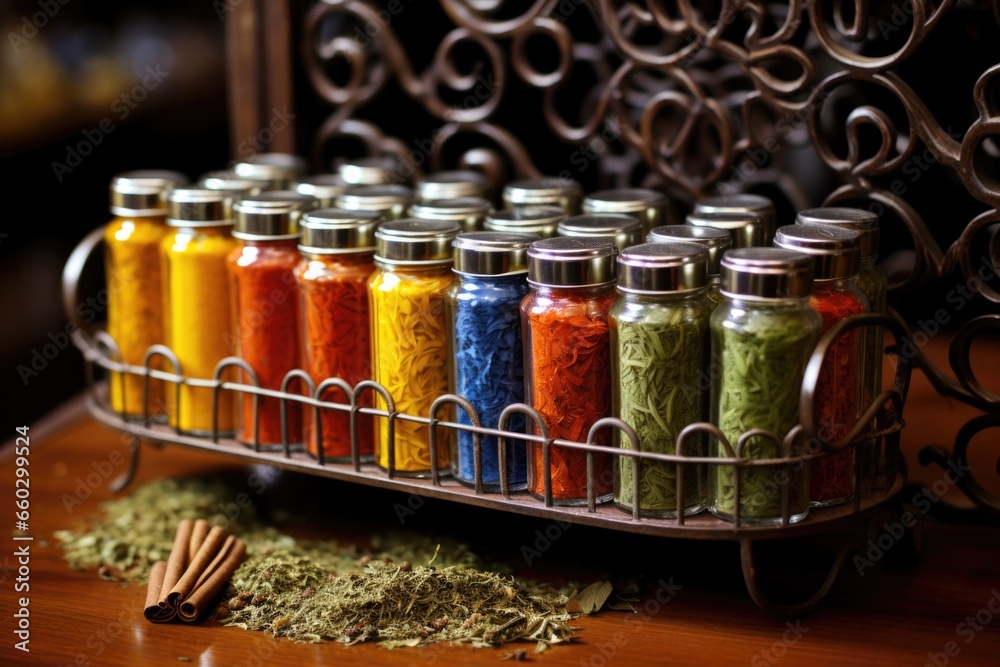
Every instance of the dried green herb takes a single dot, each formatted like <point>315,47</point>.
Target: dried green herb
<point>658,353</point>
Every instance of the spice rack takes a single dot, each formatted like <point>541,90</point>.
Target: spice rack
<point>878,477</point>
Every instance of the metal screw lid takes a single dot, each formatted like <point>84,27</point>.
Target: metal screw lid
<point>565,261</point>
<point>624,230</point>
<point>332,231</point>
<point>142,192</point>
<point>545,191</point>
<point>492,253</point>
<point>281,169</point>
<point>199,207</point>
<point>393,200</point>
<point>743,203</point>
<point>747,230</point>
<point>371,171</point>
<point>452,185</point>
<point>467,211</point>
<point>766,273</point>
<point>623,200</point>
<point>836,252</point>
<point>541,220</point>
<point>324,187</point>
<point>715,241</point>
<point>227,180</point>
<point>857,220</point>
<point>271,216</point>
<point>415,242</point>
<point>662,267</point>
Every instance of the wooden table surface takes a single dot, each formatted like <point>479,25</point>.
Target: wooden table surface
<point>886,617</point>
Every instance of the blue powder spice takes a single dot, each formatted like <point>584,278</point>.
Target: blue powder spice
<point>489,371</point>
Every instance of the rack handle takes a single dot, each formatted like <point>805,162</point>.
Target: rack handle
<point>72,273</point>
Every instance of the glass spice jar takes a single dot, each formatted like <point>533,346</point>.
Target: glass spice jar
<point>279,169</point>
<point>659,341</point>
<point>762,337</point>
<point>266,307</point>
<point>338,258</point>
<point>457,184</point>
<point>871,282</point>
<point>651,207</point>
<point>746,230</point>
<point>487,355</point>
<point>410,336</point>
<point>567,345</point>
<point>715,241</point>
<point>758,235</point>
<point>378,170</point>
<point>541,220</point>
<point>624,230</point>
<point>135,289</point>
<point>197,290</point>
<point>836,254</point>
<point>324,188</point>
<point>391,201</point>
<point>564,193</point>
<point>469,212</point>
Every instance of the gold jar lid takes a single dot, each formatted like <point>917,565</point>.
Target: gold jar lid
<point>453,185</point>
<point>379,170</point>
<point>280,169</point>
<point>748,230</point>
<point>743,203</point>
<point>199,207</point>
<point>470,212</point>
<point>545,191</point>
<point>271,216</point>
<point>331,231</point>
<point>541,220</point>
<point>565,261</point>
<point>415,242</point>
<point>227,180</point>
<point>391,200</point>
<point>324,187</point>
<point>143,191</point>
<point>625,230</point>
<point>492,253</point>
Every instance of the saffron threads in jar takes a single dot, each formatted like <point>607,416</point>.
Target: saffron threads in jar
<point>337,250</point>
<point>487,349</point>
<point>568,361</point>
<point>409,336</point>
<point>837,257</point>
<point>762,336</point>
<point>135,288</point>
<point>267,307</point>
<point>659,336</point>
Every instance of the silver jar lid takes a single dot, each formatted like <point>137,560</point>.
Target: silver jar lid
<point>378,170</point>
<point>743,203</point>
<point>766,273</point>
<point>324,187</point>
<point>390,200</point>
<point>143,191</point>
<point>453,185</point>
<point>747,230</point>
<point>492,253</point>
<point>715,241</point>
<point>565,261</point>
<point>199,207</point>
<point>545,191</point>
<point>332,231</point>
<point>227,180</point>
<point>280,169</point>
<point>467,211</point>
<point>624,230</point>
<point>651,207</point>
<point>541,220</point>
<point>415,242</point>
<point>662,267</point>
<point>857,220</point>
<point>836,252</point>
<point>271,216</point>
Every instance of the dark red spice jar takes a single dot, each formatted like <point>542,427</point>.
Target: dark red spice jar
<point>266,307</point>
<point>836,254</point>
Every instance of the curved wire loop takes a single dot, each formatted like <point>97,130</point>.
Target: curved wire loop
<point>470,410</point>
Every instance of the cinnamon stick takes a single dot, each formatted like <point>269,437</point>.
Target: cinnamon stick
<point>177,562</point>
<point>198,535</point>
<point>156,574</point>
<point>205,555</point>
<point>210,585</point>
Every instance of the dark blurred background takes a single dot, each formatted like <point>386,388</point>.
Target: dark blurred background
<point>63,77</point>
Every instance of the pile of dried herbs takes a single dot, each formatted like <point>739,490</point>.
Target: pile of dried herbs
<point>406,590</point>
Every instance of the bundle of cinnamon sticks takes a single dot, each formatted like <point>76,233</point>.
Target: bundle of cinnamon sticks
<point>200,564</point>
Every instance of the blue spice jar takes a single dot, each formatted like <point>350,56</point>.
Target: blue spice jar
<point>487,362</point>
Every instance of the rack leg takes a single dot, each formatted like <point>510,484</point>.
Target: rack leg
<point>122,482</point>
<point>787,610</point>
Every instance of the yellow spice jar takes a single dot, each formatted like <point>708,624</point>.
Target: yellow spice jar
<point>135,292</point>
<point>197,298</point>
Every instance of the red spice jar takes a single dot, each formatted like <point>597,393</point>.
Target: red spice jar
<point>338,251</point>
<point>266,307</point>
<point>567,349</point>
<point>836,254</point>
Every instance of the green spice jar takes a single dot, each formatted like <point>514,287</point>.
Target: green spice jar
<point>659,336</point>
<point>715,241</point>
<point>762,336</point>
